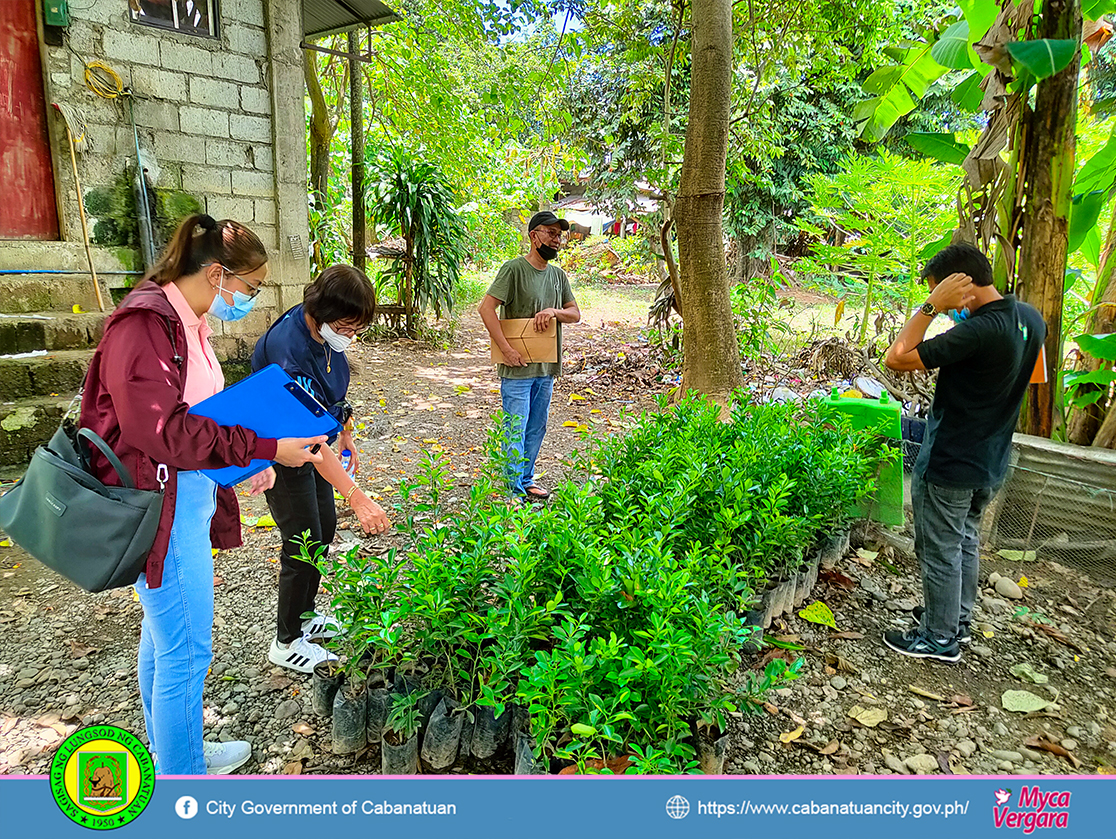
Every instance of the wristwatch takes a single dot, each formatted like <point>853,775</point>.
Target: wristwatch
<point>928,309</point>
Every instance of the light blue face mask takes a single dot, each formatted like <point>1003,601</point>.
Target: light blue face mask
<point>242,304</point>
<point>958,315</point>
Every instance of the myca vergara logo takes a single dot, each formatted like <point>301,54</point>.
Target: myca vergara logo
<point>102,777</point>
<point>1033,810</point>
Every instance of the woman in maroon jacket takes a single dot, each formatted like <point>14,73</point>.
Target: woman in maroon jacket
<point>152,364</point>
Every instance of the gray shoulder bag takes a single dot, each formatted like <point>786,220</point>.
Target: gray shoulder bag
<point>94,535</point>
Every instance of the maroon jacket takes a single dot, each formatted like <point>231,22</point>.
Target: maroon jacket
<point>133,400</point>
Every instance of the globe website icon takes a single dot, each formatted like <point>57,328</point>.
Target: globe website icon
<point>677,807</point>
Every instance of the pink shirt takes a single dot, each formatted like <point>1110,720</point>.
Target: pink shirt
<point>203,372</point>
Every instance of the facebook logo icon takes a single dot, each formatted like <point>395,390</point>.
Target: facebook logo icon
<point>186,807</point>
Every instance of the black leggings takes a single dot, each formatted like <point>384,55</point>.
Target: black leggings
<point>301,500</point>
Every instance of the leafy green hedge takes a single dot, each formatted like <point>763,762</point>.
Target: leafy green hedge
<point>616,613</point>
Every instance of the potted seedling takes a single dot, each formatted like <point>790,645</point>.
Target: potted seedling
<point>400,742</point>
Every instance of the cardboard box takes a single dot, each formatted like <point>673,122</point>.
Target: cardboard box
<point>533,346</point>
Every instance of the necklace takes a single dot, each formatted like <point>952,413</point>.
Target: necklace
<point>329,359</point>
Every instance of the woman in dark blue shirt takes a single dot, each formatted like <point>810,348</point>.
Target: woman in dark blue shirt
<point>309,343</point>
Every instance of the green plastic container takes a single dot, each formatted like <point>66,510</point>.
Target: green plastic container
<point>886,505</point>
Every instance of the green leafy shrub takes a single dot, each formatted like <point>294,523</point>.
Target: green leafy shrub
<point>410,197</point>
<point>617,613</point>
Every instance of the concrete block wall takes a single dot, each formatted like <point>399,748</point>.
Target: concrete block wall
<point>209,121</point>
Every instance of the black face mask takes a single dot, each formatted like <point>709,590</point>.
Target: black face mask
<point>547,252</point>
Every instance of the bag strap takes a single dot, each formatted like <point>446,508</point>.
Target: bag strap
<point>114,461</point>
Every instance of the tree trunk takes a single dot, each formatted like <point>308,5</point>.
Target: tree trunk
<point>672,269</point>
<point>711,351</point>
<point>1085,422</point>
<point>1047,187</point>
<point>321,133</point>
<point>356,122</point>
<point>1106,436</point>
<point>408,284</point>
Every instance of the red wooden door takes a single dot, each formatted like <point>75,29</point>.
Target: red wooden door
<point>28,210</point>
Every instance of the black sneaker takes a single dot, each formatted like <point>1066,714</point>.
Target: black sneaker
<point>964,630</point>
<point>915,644</point>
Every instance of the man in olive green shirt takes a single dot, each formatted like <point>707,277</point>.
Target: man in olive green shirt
<point>529,287</point>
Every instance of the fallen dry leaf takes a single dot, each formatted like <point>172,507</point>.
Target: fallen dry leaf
<point>303,729</point>
<point>869,717</point>
<point>277,682</point>
<point>841,663</point>
<point>771,709</point>
<point>962,699</point>
<point>836,579</point>
<point>616,765</point>
<point>1056,634</point>
<point>293,768</point>
<point>1040,742</point>
<point>795,717</point>
<point>790,736</point>
<point>936,697</point>
<point>829,748</point>
<point>80,650</point>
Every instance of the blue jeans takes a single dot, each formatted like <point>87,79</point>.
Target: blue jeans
<point>947,542</point>
<point>176,637</point>
<point>527,405</point>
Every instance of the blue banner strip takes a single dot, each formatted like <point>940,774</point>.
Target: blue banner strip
<point>462,807</point>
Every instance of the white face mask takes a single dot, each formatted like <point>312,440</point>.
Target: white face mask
<point>337,343</point>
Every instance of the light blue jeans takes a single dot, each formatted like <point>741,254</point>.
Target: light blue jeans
<point>527,406</point>
<point>176,637</point>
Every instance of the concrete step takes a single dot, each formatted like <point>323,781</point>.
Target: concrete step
<point>54,374</point>
<point>24,425</point>
<point>50,331</point>
<point>25,293</point>
<point>19,255</point>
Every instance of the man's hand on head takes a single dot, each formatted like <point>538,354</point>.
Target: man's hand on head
<point>954,292</point>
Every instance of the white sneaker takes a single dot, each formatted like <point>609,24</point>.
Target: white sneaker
<point>223,758</point>
<point>320,627</point>
<point>300,655</point>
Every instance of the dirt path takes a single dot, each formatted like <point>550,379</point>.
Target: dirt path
<point>67,658</point>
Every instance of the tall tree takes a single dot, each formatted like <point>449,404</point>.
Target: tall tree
<point>711,352</point>
<point>356,124</point>
<point>1047,171</point>
<point>1085,421</point>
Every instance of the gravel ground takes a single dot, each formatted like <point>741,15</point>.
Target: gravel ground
<point>67,658</point>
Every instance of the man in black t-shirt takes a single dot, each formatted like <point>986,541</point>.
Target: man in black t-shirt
<point>985,363</point>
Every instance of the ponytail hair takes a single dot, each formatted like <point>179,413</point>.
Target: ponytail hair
<point>226,242</point>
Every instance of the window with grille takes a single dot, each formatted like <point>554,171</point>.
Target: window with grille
<point>193,17</point>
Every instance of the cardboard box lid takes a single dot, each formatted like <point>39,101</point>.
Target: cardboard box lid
<point>535,347</point>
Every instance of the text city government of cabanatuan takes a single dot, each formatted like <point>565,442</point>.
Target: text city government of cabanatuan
<point>331,808</point>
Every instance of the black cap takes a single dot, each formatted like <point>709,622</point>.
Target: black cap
<point>546,217</point>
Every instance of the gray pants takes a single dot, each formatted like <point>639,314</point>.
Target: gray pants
<point>947,542</point>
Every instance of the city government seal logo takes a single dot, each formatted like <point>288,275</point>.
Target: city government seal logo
<point>102,777</point>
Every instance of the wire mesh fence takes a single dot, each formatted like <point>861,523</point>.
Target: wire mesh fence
<point>1058,503</point>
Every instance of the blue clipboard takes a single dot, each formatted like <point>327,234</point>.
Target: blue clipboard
<point>273,405</point>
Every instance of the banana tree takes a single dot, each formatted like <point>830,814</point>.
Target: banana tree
<point>1019,209</point>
